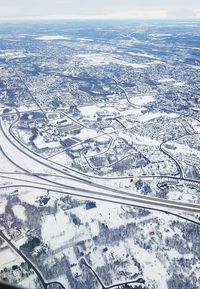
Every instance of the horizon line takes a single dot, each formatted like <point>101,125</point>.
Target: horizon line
<point>10,19</point>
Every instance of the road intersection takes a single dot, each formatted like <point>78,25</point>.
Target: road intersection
<point>44,170</point>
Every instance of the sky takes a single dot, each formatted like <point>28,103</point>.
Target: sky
<point>94,9</point>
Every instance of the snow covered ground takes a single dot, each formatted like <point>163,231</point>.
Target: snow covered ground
<point>89,111</point>
<point>40,143</point>
<point>87,133</point>
<point>153,269</point>
<point>52,37</point>
<point>19,212</point>
<point>106,59</point>
<point>152,115</point>
<point>141,100</point>
<point>9,258</point>
<point>58,229</point>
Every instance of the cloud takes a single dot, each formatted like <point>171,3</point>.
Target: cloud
<point>98,8</point>
<point>183,13</point>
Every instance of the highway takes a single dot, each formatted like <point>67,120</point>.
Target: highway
<point>78,174</point>
<point>23,256</point>
<point>126,94</point>
<point>179,168</point>
<point>40,276</point>
<point>97,198</point>
<point>31,163</point>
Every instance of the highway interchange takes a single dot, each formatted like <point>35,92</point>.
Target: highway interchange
<point>33,171</point>
<point>36,172</point>
<point>73,182</point>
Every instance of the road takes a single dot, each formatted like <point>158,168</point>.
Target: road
<point>137,281</point>
<point>179,168</point>
<point>86,176</point>
<point>40,276</point>
<point>63,191</point>
<point>32,163</point>
<point>126,94</point>
<point>35,269</point>
<point>20,184</point>
<point>25,85</point>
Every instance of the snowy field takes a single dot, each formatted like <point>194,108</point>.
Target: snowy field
<point>9,258</point>
<point>52,37</point>
<point>107,59</point>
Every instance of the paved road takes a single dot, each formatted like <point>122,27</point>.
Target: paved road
<point>137,281</point>
<point>31,264</point>
<point>180,170</point>
<point>29,163</point>
<point>126,94</point>
<point>28,90</point>
<point>35,269</point>
<point>74,173</point>
<point>116,201</point>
